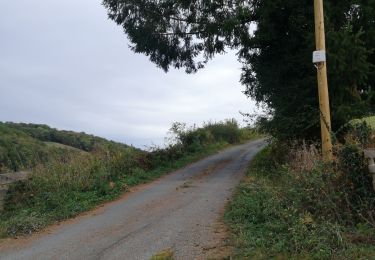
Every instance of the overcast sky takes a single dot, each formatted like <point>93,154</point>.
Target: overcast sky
<point>63,63</point>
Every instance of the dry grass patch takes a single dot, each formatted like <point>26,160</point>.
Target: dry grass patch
<point>164,255</point>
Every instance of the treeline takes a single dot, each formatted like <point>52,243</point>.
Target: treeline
<point>45,133</point>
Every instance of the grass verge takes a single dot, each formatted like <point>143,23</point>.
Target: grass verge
<point>269,219</point>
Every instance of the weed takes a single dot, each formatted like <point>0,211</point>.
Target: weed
<point>186,185</point>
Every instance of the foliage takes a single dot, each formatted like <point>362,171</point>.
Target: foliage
<point>286,213</point>
<point>76,182</point>
<point>370,121</point>
<point>356,183</point>
<point>226,131</point>
<point>281,73</point>
<point>274,39</point>
<point>194,139</point>
<point>19,151</point>
<point>175,33</point>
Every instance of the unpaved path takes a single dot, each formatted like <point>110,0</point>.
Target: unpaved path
<point>180,212</point>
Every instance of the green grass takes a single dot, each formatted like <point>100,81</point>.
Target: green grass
<point>269,220</point>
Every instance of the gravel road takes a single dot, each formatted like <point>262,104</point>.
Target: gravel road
<point>180,212</point>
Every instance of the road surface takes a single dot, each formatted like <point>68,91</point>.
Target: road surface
<point>180,213</point>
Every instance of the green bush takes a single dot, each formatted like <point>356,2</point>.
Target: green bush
<point>358,133</point>
<point>192,140</point>
<point>225,131</point>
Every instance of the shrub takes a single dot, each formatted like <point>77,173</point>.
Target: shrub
<point>341,191</point>
<point>188,140</point>
<point>359,133</point>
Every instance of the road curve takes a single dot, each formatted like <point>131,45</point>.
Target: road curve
<point>180,212</point>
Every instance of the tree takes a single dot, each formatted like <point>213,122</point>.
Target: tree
<point>276,58</point>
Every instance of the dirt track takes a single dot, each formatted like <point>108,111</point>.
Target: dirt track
<point>180,212</point>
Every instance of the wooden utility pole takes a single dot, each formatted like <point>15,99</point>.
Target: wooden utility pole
<point>320,61</point>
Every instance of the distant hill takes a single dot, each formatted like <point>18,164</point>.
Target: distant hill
<point>22,146</point>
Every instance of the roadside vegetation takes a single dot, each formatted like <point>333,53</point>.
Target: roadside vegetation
<point>292,205</point>
<point>93,170</point>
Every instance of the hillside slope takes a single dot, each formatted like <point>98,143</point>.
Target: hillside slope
<point>22,146</point>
